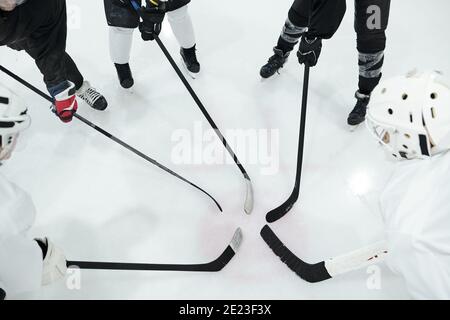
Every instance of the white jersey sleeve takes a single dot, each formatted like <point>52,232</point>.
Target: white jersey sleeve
<point>20,256</point>
<point>416,210</point>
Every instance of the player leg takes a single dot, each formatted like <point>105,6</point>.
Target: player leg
<point>122,20</point>
<point>371,21</point>
<point>46,44</point>
<point>296,24</point>
<point>183,29</point>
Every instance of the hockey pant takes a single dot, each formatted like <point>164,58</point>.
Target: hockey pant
<point>120,39</point>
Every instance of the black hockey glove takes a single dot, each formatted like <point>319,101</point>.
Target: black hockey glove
<point>309,51</point>
<point>152,18</point>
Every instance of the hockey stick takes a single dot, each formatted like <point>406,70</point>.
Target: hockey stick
<point>214,266</point>
<point>110,136</point>
<point>248,206</point>
<point>281,211</point>
<point>326,269</point>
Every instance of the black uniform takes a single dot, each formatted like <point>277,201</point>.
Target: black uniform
<point>40,28</point>
<point>371,43</point>
<point>124,16</point>
<point>321,18</point>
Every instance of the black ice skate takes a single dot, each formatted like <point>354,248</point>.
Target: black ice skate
<point>190,62</point>
<point>358,114</point>
<point>275,63</point>
<point>92,97</point>
<point>125,76</point>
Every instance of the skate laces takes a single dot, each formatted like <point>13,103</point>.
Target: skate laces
<point>90,96</point>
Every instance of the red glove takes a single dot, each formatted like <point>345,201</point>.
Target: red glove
<point>65,103</point>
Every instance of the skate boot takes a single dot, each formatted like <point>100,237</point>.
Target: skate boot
<point>275,63</point>
<point>190,61</point>
<point>125,76</point>
<point>92,97</point>
<point>358,113</point>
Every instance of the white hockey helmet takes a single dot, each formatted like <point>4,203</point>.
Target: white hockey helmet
<point>13,119</point>
<point>410,115</point>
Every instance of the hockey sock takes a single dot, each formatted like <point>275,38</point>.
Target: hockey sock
<point>290,36</point>
<point>181,24</point>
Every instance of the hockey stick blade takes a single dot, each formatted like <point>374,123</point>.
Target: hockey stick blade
<point>278,213</point>
<point>249,202</point>
<point>214,266</point>
<point>326,269</point>
<point>248,206</point>
<point>282,210</point>
<point>110,136</point>
<point>309,272</point>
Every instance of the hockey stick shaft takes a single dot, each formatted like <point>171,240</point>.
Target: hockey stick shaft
<point>301,138</point>
<point>109,135</point>
<point>357,259</point>
<point>282,210</point>
<point>199,103</point>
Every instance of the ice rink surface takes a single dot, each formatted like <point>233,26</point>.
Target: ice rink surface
<point>100,202</point>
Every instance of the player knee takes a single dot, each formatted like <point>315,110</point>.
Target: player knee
<point>298,19</point>
<point>371,42</point>
<point>121,31</point>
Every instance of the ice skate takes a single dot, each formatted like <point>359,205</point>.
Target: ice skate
<point>93,98</point>
<point>125,76</point>
<point>358,114</point>
<point>275,63</point>
<point>190,62</point>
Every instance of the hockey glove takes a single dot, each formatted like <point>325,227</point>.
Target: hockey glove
<point>152,18</point>
<point>309,51</point>
<point>55,264</point>
<point>65,103</point>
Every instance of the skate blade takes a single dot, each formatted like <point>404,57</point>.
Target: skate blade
<point>186,70</point>
<point>353,128</point>
<point>127,91</point>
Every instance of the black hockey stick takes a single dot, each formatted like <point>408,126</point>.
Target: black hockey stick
<point>214,266</point>
<point>326,269</point>
<point>281,211</point>
<point>109,135</point>
<point>248,207</point>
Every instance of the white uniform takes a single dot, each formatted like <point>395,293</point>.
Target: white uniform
<point>20,256</point>
<point>416,209</point>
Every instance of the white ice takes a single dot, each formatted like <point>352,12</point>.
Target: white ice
<point>100,202</point>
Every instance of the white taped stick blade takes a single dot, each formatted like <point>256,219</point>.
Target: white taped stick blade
<point>248,207</point>
<point>237,240</point>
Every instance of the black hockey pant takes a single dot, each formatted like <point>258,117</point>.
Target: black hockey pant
<point>40,28</point>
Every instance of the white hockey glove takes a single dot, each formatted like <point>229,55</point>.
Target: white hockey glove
<point>55,264</point>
